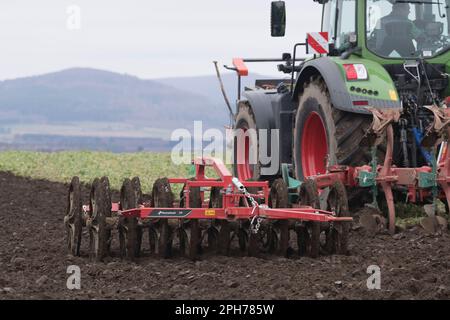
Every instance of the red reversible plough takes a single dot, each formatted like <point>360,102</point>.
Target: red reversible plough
<point>258,218</point>
<point>420,184</point>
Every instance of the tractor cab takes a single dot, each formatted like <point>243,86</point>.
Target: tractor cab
<point>388,29</point>
<point>407,29</point>
<point>385,31</point>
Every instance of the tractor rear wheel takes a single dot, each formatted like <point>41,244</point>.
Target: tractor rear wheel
<point>324,135</point>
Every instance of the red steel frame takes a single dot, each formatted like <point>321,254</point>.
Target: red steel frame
<point>230,209</point>
<point>389,176</point>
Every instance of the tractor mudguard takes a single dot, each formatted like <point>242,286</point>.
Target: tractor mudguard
<point>261,103</point>
<point>273,110</point>
<point>378,90</point>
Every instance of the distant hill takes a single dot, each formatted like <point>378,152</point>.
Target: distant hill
<point>80,95</point>
<point>82,108</point>
<point>209,86</point>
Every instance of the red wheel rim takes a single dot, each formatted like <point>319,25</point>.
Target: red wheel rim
<point>314,146</point>
<point>244,169</point>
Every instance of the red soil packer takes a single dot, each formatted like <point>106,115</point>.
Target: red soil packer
<point>258,218</point>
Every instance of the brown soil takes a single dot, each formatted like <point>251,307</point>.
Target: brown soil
<point>33,262</point>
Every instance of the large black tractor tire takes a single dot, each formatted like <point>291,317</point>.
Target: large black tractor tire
<point>324,135</point>
<point>246,168</point>
<point>344,131</point>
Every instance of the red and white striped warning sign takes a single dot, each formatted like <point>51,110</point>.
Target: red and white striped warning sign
<point>318,42</point>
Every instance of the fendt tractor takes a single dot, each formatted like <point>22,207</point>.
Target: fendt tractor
<point>362,121</point>
<point>379,96</point>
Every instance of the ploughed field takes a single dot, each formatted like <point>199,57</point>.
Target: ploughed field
<point>34,261</point>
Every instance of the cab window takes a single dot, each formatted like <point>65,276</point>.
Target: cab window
<point>339,20</point>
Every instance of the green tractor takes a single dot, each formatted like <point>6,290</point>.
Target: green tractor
<point>382,54</point>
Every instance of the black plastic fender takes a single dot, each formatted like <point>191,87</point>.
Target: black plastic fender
<point>261,103</point>
<point>273,110</point>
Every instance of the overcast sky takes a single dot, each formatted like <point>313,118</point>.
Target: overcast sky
<point>146,38</point>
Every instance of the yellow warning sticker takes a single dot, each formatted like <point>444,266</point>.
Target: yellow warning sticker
<point>210,212</point>
<point>393,95</point>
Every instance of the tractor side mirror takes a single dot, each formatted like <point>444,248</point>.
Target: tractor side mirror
<point>278,19</point>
